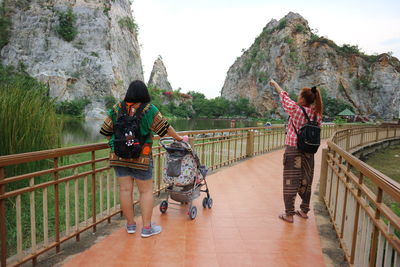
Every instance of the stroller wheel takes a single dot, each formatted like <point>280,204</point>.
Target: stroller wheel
<point>210,203</point>
<point>205,202</point>
<point>163,206</point>
<point>193,213</point>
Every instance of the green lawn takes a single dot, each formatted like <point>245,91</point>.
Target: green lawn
<point>387,162</point>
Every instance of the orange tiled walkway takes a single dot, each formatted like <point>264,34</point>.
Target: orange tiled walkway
<point>241,229</point>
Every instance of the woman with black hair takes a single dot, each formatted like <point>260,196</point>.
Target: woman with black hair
<point>298,170</point>
<point>139,169</point>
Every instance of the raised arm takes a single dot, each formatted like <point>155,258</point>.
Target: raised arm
<point>276,86</point>
<point>288,104</point>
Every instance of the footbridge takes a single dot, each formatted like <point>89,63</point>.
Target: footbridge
<point>50,198</point>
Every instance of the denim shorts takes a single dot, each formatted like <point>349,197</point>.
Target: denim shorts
<point>135,173</point>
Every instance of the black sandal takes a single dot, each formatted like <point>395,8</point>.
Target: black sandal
<point>301,214</point>
<point>283,217</point>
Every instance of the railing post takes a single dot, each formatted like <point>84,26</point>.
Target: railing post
<point>348,140</point>
<point>57,205</point>
<point>94,191</point>
<point>377,134</point>
<point>324,174</point>
<point>356,219</point>
<point>3,229</point>
<point>362,136</point>
<point>375,233</point>
<point>191,141</point>
<point>212,151</point>
<point>250,143</point>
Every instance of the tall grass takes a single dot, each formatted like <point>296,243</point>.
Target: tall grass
<point>28,121</point>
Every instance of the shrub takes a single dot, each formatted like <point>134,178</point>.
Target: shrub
<point>338,120</point>
<point>282,24</point>
<point>313,38</point>
<point>85,61</point>
<point>67,28</point>
<point>347,49</point>
<point>128,23</point>
<point>294,56</point>
<point>262,77</point>
<point>94,54</point>
<point>332,106</point>
<point>300,28</point>
<point>110,101</point>
<point>5,24</point>
<point>363,82</point>
<point>73,107</point>
<point>372,58</point>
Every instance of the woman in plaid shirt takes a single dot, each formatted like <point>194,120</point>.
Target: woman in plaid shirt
<point>298,167</point>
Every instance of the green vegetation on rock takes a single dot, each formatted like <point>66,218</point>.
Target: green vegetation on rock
<point>300,28</point>
<point>73,107</point>
<point>67,28</point>
<point>333,106</point>
<point>129,24</point>
<point>282,24</point>
<point>5,24</point>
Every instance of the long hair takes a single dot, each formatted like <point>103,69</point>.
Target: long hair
<point>137,93</point>
<point>311,96</point>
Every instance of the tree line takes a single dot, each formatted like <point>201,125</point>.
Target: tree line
<point>176,104</point>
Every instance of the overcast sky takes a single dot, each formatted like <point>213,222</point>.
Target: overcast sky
<point>200,40</point>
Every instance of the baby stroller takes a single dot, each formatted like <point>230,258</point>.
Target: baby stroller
<point>184,175</point>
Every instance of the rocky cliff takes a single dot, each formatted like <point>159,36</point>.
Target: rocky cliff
<point>100,59</point>
<point>159,76</point>
<point>288,51</point>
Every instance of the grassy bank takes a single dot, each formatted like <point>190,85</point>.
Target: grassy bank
<point>387,162</point>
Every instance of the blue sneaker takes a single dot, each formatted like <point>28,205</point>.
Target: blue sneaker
<point>153,230</point>
<point>131,228</point>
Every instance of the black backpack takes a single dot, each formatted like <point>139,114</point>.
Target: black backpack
<point>309,135</point>
<point>128,142</point>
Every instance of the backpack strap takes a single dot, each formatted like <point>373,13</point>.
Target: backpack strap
<point>139,112</point>
<point>122,109</point>
<point>305,114</point>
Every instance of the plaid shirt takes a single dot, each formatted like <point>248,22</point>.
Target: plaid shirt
<point>296,116</point>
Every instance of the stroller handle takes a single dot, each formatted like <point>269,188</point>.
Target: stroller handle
<point>165,141</point>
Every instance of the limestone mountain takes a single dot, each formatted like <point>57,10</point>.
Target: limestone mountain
<point>80,48</point>
<point>159,76</point>
<point>289,51</point>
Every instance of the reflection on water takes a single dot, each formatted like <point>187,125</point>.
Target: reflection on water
<point>78,132</point>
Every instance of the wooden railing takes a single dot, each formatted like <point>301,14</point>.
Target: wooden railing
<point>359,198</point>
<point>72,190</point>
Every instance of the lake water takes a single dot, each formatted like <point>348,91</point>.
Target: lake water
<point>78,132</point>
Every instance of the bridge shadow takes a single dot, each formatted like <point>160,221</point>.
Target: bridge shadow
<point>241,229</point>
